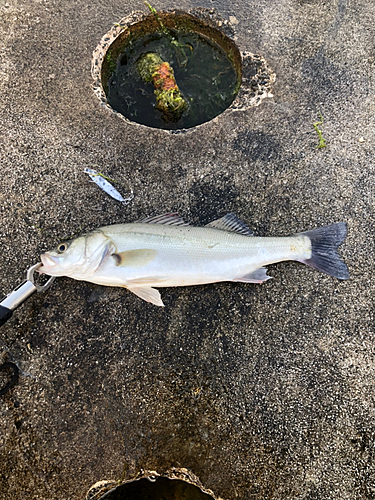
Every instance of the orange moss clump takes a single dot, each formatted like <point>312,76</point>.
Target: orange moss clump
<point>169,99</point>
<point>163,77</point>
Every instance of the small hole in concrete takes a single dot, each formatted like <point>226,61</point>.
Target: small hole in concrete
<point>171,72</point>
<point>161,488</point>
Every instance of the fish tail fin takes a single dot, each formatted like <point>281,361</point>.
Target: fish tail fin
<point>324,256</point>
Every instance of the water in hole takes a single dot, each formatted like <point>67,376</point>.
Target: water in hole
<point>203,72</point>
<point>161,489</point>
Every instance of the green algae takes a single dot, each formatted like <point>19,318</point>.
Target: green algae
<point>322,143</point>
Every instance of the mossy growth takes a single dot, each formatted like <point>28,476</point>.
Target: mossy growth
<point>169,99</point>
<point>147,65</point>
<point>153,11</point>
<point>322,142</point>
<point>111,62</point>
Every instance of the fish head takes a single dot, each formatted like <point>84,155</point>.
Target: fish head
<point>79,258</point>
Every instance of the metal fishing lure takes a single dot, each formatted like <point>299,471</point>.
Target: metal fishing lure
<point>102,181</point>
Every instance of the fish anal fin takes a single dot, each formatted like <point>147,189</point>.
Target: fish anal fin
<point>148,294</point>
<point>168,219</point>
<point>135,258</point>
<point>257,276</point>
<point>232,223</point>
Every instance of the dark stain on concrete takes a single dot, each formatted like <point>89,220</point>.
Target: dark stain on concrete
<point>212,198</point>
<point>326,81</point>
<point>258,145</point>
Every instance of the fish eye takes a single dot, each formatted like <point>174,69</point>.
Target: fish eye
<point>62,247</point>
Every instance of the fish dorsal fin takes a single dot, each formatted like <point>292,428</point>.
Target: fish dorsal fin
<point>166,219</point>
<point>231,222</point>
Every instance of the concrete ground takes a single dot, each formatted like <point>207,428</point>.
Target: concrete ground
<point>263,392</point>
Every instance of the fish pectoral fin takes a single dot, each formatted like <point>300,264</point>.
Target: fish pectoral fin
<point>257,276</point>
<point>135,258</point>
<point>148,294</point>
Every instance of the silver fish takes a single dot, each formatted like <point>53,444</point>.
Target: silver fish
<point>102,182</point>
<point>165,251</point>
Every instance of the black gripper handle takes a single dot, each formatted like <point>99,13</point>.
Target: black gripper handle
<point>5,314</point>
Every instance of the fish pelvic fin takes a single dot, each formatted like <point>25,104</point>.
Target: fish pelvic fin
<point>148,294</point>
<point>257,276</point>
<point>324,244</point>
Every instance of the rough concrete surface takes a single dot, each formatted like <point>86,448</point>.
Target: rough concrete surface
<point>263,392</point>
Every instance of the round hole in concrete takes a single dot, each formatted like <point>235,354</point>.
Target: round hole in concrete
<point>151,488</point>
<point>171,71</point>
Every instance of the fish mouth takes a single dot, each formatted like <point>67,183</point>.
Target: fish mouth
<point>48,262</point>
